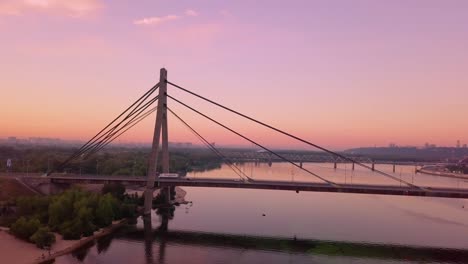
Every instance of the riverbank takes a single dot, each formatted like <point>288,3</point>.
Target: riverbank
<point>443,174</point>
<point>316,247</point>
<point>14,250</point>
<point>77,244</point>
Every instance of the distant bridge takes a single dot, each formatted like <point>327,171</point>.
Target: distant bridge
<point>300,158</point>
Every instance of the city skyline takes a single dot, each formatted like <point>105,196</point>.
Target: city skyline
<point>339,74</point>
<point>44,141</point>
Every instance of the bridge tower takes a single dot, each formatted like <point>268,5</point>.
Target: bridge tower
<point>160,133</point>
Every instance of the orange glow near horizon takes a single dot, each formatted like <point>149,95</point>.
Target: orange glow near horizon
<point>338,75</point>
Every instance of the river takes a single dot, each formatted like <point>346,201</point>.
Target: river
<point>266,226</point>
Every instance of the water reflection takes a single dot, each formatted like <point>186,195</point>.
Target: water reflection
<point>81,253</point>
<point>103,244</point>
<point>173,246</point>
<point>148,235</point>
<point>227,225</point>
<point>165,213</point>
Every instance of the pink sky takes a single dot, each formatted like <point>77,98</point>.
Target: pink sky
<point>338,73</point>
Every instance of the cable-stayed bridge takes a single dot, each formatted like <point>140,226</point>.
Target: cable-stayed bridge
<point>144,106</point>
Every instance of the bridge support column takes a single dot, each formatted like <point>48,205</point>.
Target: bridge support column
<point>335,166</point>
<point>394,167</point>
<point>373,166</point>
<point>353,166</point>
<point>160,131</point>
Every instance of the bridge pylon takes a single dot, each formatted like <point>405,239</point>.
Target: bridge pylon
<point>160,134</point>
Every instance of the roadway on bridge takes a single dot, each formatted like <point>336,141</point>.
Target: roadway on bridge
<point>271,185</point>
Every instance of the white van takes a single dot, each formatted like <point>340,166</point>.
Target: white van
<point>168,175</point>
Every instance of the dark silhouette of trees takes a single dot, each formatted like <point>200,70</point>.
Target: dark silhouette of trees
<point>74,213</point>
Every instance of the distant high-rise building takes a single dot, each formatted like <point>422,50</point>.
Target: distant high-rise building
<point>12,140</point>
<point>429,145</point>
<point>465,146</point>
<point>458,143</point>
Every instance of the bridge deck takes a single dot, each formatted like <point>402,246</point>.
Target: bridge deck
<point>274,185</point>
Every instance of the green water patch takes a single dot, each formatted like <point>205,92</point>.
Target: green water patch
<point>305,246</point>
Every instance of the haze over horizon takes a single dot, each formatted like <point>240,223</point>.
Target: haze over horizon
<point>337,73</point>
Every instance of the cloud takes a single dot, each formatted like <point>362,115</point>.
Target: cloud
<point>164,19</point>
<point>64,7</point>
<point>155,20</point>
<point>190,12</point>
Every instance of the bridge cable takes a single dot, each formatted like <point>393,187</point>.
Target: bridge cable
<point>206,143</point>
<point>107,135</point>
<point>292,136</point>
<point>233,166</point>
<point>130,125</point>
<point>125,128</point>
<point>253,142</point>
<point>142,98</point>
<point>113,132</point>
<point>100,134</point>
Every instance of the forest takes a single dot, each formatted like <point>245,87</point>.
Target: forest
<point>73,214</point>
<point>113,161</point>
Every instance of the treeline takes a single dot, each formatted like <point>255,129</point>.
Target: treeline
<point>410,153</point>
<point>114,161</point>
<point>73,214</point>
<point>458,168</point>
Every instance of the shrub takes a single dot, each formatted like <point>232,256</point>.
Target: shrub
<point>71,230</point>
<point>116,189</point>
<point>43,238</point>
<point>24,228</point>
<point>128,210</point>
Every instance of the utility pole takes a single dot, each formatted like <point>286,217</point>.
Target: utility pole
<point>160,131</point>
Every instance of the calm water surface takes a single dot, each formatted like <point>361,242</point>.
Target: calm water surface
<point>413,222</point>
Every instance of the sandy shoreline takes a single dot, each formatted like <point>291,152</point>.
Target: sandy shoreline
<point>14,250</point>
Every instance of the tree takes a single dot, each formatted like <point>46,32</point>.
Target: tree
<point>128,210</point>
<point>58,213</point>
<point>71,229</point>
<point>34,206</point>
<point>116,189</point>
<point>43,238</point>
<point>24,228</point>
<point>85,215</point>
<point>104,211</point>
